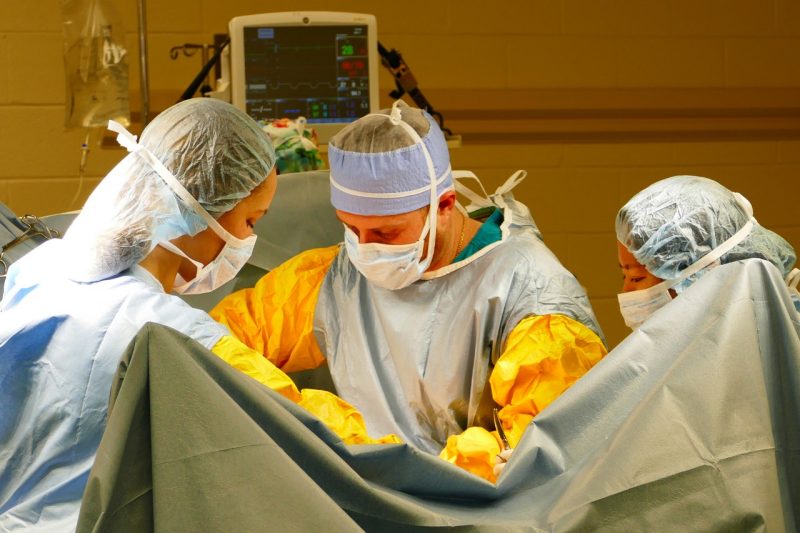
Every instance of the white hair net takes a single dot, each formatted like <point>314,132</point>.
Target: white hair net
<point>378,168</point>
<point>674,222</point>
<point>215,151</point>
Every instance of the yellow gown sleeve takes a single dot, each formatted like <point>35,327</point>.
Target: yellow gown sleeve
<point>252,363</point>
<point>276,317</point>
<point>543,356</point>
<point>340,417</point>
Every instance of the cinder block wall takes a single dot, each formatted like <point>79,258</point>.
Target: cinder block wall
<point>574,188</point>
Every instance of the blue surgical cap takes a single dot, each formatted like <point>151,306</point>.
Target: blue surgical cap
<point>674,222</point>
<point>375,163</point>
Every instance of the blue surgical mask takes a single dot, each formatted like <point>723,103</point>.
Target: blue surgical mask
<point>390,266</point>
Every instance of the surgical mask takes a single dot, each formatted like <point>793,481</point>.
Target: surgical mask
<point>220,270</point>
<point>391,266</point>
<point>637,306</point>
<point>229,260</point>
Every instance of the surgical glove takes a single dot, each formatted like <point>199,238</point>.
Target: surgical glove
<point>500,461</point>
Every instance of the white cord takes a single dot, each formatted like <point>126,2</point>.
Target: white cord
<point>81,168</point>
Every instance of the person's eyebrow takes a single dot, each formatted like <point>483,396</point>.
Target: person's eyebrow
<point>383,228</point>
<point>388,227</point>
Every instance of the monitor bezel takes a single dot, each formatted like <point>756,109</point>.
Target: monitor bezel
<point>236,28</point>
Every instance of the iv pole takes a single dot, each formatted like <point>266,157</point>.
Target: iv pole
<point>144,82</point>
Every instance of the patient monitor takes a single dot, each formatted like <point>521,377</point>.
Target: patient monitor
<point>316,64</point>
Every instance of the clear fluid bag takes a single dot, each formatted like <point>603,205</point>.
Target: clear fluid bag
<point>95,64</point>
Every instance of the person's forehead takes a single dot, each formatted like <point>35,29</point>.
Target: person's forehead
<point>633,267</point>
<point>626,259</point>
<point>258,201</point>
<point>378,221</point>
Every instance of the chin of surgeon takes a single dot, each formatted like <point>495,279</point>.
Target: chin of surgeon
<point>175,215</point>
<point>427,318</point>
<point>676,230</point>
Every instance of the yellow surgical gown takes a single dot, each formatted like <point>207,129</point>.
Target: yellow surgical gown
<point>543,356</point>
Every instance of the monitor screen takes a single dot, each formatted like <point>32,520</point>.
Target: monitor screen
<point>316,64</point>
<point>319,72</point>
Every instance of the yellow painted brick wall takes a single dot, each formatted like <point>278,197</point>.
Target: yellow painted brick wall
<point>573,189</point>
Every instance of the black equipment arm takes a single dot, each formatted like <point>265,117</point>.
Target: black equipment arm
<point>198,80</point>
<point>407,84</point>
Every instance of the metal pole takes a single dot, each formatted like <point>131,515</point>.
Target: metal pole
<point>144,82</point>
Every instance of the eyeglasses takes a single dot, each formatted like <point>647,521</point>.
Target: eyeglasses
<point>33,227</point>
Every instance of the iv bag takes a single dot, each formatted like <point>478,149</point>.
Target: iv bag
<point>95,64</point>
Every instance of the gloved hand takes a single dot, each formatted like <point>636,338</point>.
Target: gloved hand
<point>500,461</point>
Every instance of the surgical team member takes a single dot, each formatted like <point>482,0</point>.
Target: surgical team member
<point>676,230</point>
<point>426,318</point>
<point>176,215</point>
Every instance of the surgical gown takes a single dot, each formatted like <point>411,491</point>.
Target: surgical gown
<point>507,327</point>
<point>60,344</point>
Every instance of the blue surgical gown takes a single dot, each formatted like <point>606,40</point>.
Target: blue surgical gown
<point>60,344</point>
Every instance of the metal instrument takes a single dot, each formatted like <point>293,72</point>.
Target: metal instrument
<point>34,227</point>
<point>498,426</point>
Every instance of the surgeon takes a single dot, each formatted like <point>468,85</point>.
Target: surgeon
<point>175,215</point>
<point>427,318</point>
<point>678,229</point>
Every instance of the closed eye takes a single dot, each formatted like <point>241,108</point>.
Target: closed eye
<point>634,280</point>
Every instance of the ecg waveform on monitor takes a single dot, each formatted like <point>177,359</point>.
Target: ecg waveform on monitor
<point>293,86</point>
<point>261,110</point>
<point>288,48</point>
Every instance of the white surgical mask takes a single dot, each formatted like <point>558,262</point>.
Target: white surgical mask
<point>391,266</point>
<point>637,306</point>
<point>220,270</point>
<point>229,260</point>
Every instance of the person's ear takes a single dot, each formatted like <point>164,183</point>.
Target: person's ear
<point>447,202</point>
